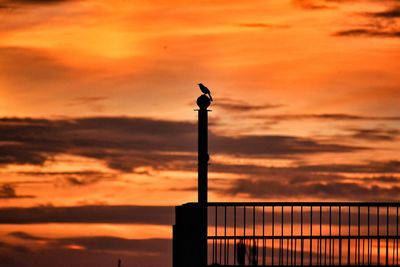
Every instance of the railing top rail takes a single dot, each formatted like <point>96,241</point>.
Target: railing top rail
<point>299,204</point>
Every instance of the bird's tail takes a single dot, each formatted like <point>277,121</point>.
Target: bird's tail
<point>210,97</point>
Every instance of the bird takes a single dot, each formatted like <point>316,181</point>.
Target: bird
<point>205,90</point>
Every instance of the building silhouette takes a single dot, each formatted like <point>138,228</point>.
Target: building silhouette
<point>280,233</point>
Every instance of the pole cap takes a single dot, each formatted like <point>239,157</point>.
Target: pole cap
<point>203,102</point>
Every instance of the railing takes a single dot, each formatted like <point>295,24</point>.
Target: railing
<point>303,234</point>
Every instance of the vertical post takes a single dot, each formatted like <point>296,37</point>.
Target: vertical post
<point>203,102</point>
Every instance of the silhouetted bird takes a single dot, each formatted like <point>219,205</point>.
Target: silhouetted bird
<point>205,90</point>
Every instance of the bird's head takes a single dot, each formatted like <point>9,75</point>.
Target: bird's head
<point>199,84</point>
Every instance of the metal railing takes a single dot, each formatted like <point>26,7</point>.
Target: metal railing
<point>303,234</point>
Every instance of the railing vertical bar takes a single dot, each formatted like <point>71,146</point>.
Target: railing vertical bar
<point>363,251</point>
<point>263,233</point>
<point>225,245</point>
<point>397,236</point>
<point>340,233</point>
<point>244,225</point>
<point>330,234</point>
<point>311,248</point>
<point>359,233</point>
<point>254,233</point>
<point>301,234</point>
<point>320,234</point>
<point>282,249</point>
<point>220,251</point>
<point>368,240</point>
<point>348,240</point>
<point>387,235</point>
<point>281,240</point>
<point>291,234</point>
<point>273,234</point>
<point>234,236</point>
<point>379,240</point>
<point>216,233</point>
<point>295,251</point>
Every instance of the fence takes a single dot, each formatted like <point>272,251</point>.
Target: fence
<point>303,234</point>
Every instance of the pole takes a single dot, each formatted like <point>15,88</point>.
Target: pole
<point>203,102</point>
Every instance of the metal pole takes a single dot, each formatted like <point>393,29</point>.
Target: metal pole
<point>203,102</point>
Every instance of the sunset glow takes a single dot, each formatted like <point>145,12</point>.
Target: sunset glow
<point>97,112</point>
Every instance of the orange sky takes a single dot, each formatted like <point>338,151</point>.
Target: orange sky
<point>97,99</point>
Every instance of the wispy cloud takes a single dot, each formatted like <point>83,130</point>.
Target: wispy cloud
<point>375,134</point>
<point>241,106</point>
<point>91,250</point>
<point>318,190</point>
<point>328,116</point>
<point>156,215</point>
<point>369,33</point>
<point>127,143</point>
<point>7,191</point>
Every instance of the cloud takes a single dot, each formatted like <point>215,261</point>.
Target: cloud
<point>128,143</point>
<point>375,134</point>
<point>7,191</point>
<point>388,14</point>
<point>369,33</point>
<point>104,243</point>
<point>275,145</point>
<point>157,215</point>
<point>312,4</point>
<point>392,166</point>
<point>330,116</point>
<point>87,251</point>
<point>71,178</point>
<point>381,24</point>
<point>240,106</point>
<point>329,190</point>
<point>14,3</point>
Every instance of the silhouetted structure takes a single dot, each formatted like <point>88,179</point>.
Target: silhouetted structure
<point>279,233</point>
<point>190,229</point>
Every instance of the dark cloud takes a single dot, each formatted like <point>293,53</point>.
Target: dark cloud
<point>369,33</point>
<point>376,134</point>
<point>331,116</point>
<point>127,143</point>
<point>15,3</point>
<point>72,178</point>
<point>104,243</point>
<point>330,190</point>
<point>381,24</point>
<point>329,4</point>
<point>240,106</point>
<point>388,14</point>
<point>275,145</point>
<point>94,250</point>
<point>158,215</point>
<point>7,191</point>
<point>370,167</point>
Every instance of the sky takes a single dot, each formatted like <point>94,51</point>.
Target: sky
<point>98,122</point>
